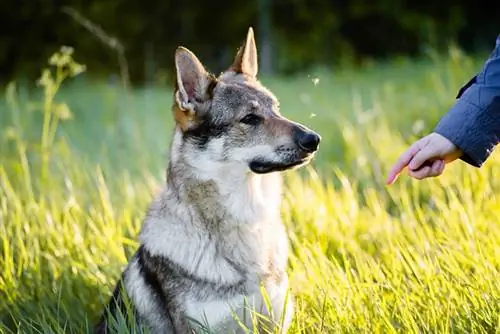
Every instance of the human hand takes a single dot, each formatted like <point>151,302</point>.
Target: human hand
<point>427,157</point>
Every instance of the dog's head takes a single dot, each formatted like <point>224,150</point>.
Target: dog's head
<point>233,119</point>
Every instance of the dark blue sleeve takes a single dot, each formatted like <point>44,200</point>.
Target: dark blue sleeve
<point>473,123</point>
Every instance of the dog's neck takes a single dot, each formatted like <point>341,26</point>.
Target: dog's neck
<point>208,212</point>
<point>222,189</point>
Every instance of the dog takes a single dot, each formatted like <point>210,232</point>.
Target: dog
<point>213,250</point>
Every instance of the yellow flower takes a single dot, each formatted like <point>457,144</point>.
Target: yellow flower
<point>67,50</point>
<point>55,59</point>
<point>45,79</point>
<point>75,69</point>
<point>62,111</point>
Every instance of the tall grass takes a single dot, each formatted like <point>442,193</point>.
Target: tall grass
<point>80,161</point>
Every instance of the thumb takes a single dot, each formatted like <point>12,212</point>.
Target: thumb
<point>425,154</point>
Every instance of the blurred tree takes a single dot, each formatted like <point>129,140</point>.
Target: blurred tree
<point>292,34</point>
<point>264,38</point>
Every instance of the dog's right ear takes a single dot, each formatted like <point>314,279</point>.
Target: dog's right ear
<point>193,84</point>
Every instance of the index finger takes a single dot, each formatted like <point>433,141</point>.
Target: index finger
<point>402,162</point>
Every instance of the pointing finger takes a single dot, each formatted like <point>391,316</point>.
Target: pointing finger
<point>402,162</point>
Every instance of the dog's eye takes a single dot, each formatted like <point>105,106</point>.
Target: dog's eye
<point>251,119</point>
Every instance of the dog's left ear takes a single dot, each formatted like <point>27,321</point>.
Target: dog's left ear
<point>246,59</point>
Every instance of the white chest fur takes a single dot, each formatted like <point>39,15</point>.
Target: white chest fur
<point>243,312</point>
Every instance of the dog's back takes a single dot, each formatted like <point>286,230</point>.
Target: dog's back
<point>213,238</point>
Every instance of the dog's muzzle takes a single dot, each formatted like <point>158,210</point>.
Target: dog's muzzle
<point>306,144</point>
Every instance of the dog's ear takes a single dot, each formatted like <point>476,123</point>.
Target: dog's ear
<point>246,59</point>
<point>193,82</point>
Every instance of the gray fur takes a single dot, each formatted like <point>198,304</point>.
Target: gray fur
<point>213,235</point>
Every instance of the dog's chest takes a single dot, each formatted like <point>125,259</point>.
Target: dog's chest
<point>219,315</point>
<point>215,312</point>
<point>252,249</point>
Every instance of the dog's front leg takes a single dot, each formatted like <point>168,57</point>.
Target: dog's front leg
<point>179,322</point>
<point>281,303</point>
<point>174,323</point>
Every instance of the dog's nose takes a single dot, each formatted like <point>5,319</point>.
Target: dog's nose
<point>307,140</point>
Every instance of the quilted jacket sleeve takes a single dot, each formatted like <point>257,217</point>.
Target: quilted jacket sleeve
<point>473,122</point>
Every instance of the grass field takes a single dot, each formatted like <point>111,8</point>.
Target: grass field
<point>416,257</point>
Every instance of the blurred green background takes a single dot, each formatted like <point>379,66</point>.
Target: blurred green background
<point>293,35</point>
<point>85,132</point>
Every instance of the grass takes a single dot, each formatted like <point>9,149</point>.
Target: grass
<point>416,257</point>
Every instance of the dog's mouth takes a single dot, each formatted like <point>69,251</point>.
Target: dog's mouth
<point>262,166</point>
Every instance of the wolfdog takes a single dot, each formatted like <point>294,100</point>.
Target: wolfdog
<point>213,250</point>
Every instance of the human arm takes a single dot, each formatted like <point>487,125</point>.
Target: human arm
<point>469,131</point>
